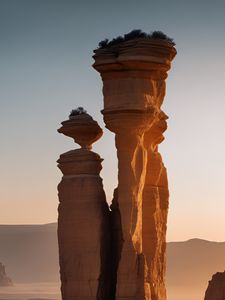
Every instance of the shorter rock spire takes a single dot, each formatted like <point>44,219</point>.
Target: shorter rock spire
<point>83,221</point>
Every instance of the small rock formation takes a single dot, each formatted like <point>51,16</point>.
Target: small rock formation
<point>133,73</point>
<point>83,222</point>
<point>216,287</point>
<point>4,279</point>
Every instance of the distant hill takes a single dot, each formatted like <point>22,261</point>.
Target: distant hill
<point>191,264</point>
<point>30,254</point>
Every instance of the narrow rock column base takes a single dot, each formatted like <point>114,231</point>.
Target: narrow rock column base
<point>83,227</point>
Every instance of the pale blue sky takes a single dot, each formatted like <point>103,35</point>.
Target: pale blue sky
<point>45,71</point>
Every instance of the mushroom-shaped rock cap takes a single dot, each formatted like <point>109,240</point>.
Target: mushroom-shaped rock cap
<point>83,129</point>
<point>135,51</point>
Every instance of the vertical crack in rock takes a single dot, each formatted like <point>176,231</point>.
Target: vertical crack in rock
<point>116,242</point>
<point>131,264</point>
<point>104,286</point>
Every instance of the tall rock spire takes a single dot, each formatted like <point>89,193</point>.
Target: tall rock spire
<point>133,73</point>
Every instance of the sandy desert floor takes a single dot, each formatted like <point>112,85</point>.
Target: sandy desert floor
<point>32,291</point>
<point>181,294</point>
<point>51,291</point>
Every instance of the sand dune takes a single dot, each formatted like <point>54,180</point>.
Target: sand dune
<point>32,291</point>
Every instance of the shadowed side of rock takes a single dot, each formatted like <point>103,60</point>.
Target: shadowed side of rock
<point>216,287</point>
<point>116,241</point>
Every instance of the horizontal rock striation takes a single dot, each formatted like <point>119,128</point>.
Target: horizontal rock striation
<point>83,221</point>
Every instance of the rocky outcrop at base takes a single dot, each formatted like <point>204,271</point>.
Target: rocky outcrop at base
<point>4,279</point>
<point>216,287</point>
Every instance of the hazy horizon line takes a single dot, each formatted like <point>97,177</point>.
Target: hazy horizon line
<point>169,241</point>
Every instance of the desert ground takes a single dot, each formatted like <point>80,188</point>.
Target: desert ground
<point>30,255</point>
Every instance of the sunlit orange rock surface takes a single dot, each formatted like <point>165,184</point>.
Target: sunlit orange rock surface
<point>133,74</point>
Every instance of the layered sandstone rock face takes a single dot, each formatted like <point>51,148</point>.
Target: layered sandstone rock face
<point>83,222</point>
<point>216,287</point>
<point>155,199</point>
<point>4,279</point>
<point>133,74</point>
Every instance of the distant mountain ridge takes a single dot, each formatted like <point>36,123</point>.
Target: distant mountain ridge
<point>192,263</point>
<point>30,253</point>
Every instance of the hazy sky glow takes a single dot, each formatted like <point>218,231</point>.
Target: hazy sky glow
<point>45,71</point>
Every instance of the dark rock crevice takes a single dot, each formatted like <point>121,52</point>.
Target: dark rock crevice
<point>116,242</point>
<point>111,247</point>
<point>104,285</point>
